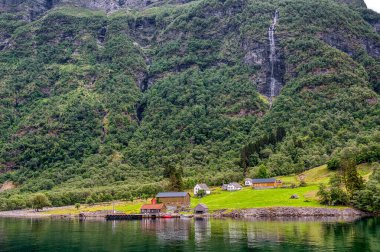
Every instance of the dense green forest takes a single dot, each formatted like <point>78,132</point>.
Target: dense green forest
<point>95,105</point>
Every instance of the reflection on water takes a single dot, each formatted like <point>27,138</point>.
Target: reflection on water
<point>167,230</point>
<point>202,230</point>
<point>305,234</point>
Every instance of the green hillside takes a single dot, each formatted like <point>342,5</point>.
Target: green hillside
<point>246,198</point>
<point>98,104</point>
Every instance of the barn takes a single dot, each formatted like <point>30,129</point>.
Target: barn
<point>266,183</point>
<point>174,198</point>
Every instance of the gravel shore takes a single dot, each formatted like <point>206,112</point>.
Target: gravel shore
<point>24,214</point>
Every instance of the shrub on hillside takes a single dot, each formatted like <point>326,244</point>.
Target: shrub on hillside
<point>333,164</point>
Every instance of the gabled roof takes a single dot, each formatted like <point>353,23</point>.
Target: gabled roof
<point>235,184</point>
<point>248,179</point>
<point>171,194</point>
<point>264,180</point>
<point>203,186</point>
<point>200,207</point>
<point>152,206</point>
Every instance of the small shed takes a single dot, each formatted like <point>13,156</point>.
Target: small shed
<point>201,209</point>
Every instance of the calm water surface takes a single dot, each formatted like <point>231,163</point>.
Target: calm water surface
<point>190,235</point>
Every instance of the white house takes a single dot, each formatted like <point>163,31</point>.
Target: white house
<point>248,182</point>
<point>204,187</point>
<point>232,187</point>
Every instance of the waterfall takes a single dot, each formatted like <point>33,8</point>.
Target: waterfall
<point>272,57</point>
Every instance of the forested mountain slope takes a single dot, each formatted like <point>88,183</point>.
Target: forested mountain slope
<point>109,95</point>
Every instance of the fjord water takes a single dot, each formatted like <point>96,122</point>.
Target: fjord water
<point>190,235</point>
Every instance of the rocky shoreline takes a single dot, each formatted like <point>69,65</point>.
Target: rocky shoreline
<point>290,212</point>
<point>267,213</point>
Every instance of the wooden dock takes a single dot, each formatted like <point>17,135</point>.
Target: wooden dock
<point>122,216</point>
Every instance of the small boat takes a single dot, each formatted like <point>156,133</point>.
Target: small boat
<point>166,216</point>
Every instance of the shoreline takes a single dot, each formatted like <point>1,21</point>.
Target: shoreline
<point>264,212</point>
<point>275,212</point>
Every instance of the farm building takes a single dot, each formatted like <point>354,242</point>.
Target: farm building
<point>266,183</point>
<point>204,187</point>
<point>201,209</point>
<point>174,198</point>
<point>152,208</point>
<point>232,187</point>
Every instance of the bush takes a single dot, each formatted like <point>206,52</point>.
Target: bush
<point>332,196</point>
<point>39,201</point>
<point>201,193</point>
<point>90,200</point>
<point>77,206</point>
<point>15,202</point>
<point>333,164</point>
<point>303,183</point>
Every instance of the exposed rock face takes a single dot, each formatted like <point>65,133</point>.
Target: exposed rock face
<point>340,42</point>
<point>270,59</point>
<point>257,55</point>
<point>377,26</point>
<point>7,186</point>
<point>34,8</point>
<point>355,3</point>
<point>372,17</point>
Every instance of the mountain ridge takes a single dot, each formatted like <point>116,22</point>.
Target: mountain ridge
<point>35,8</point>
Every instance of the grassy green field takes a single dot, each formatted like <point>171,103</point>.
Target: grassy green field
<point>246,198</point>
<point>249,198</point>
<point>121,206</point>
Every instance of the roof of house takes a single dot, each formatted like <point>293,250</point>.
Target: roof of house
<point>152,206</point>
<point>248,179</point>
<point>200,207</point>
<point>265,180</point>
<point>203,186</point>
<point>171,194</point>
<point>235,184</point>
